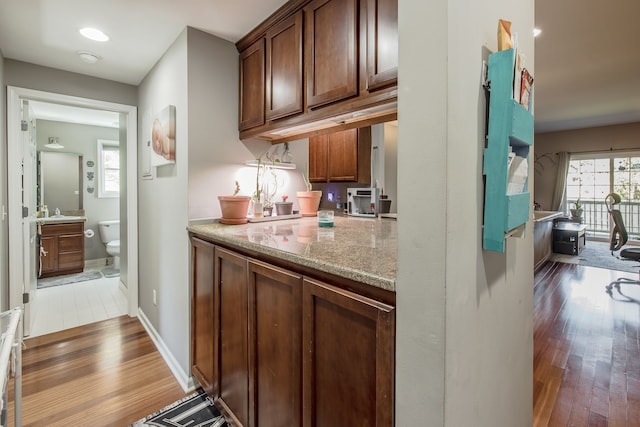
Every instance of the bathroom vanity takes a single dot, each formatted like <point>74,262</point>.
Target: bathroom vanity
<point>61,246</point>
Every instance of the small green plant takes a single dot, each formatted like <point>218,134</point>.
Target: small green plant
<point>577,204</point>
<point>237,189</point>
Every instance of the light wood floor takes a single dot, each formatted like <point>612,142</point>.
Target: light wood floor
<point>586,348</point>
<point>102,374</point>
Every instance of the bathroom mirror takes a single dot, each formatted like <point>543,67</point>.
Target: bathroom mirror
<point>59,181</point>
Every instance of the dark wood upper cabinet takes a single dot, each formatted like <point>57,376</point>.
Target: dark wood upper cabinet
<point>382,43</point>
<point>318,161</point>
<point>252,88</point>
<point>331,51</point>
<point>284,68</point>
<point>341,156</point>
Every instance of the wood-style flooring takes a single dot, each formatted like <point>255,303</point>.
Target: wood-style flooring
<point>586,348</point>
<point>586,361</point>
<point>102,374</point>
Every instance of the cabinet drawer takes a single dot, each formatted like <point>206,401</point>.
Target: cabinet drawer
<point>70,243</point>
<point>70,260</point>
<point>55,229</point>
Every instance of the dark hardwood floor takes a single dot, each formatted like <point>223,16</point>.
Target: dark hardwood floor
<point>586,361</point>
<point>586,348</point>
<point>103,374</point>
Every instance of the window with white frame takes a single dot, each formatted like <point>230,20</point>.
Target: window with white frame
<point>594,175</point>
<point>108,168</point>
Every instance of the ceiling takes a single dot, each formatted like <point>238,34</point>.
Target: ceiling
<point>587,59</point>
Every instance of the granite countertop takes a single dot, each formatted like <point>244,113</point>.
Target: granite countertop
<point>61,219</point>
<point>360,249</point>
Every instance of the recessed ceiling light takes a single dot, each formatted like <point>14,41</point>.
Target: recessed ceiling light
<point>94,34</point>
<point>536,32</point>
<point>89,57</point>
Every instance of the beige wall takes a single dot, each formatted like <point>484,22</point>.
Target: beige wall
<point>547,145</point>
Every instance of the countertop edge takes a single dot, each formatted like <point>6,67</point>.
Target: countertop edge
<point>208,231</point>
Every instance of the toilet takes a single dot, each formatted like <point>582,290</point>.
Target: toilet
<point>110,236</point>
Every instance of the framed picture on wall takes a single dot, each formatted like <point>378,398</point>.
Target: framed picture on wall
<point>163,137</point>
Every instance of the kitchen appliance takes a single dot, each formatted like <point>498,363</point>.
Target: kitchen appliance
<point>363,202</point>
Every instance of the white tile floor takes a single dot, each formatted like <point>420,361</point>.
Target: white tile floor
<point>67,306</point>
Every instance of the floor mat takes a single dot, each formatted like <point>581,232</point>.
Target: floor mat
<point>196,409</point>
<point>69,278</point>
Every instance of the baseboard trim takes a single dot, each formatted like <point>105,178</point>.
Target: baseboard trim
<point>185,381</point>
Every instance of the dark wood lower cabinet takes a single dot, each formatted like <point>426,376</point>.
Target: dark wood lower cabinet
<point>281,349</point>
<point>231,312</point>
<point>348,374</point>
<point>275,346</point>
<point>202,320</point>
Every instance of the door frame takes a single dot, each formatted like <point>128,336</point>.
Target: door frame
<point>15,95</point>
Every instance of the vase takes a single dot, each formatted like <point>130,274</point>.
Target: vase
<point>257,209</point>
<point>234,209</point>
<point>309,201</point>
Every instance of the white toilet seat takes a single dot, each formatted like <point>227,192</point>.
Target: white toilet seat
<point>114,245</point>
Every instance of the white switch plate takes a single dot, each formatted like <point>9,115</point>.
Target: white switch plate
<point>155,299</point>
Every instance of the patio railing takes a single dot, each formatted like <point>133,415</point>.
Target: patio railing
<point>596,217</point>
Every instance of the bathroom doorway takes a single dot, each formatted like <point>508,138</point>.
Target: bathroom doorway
<point>20,289</point>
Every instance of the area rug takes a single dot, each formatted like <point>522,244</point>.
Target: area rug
<point>110,272</point>
<point>195,410</point>
<point>69,278</point>
<point>597,254</point>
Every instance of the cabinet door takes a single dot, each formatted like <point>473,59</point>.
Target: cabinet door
<point>231,311</point>
<point>331,50</point>
<point>348,358</point>
<point>343,155</point>
<point>382,43</point>
<point>252,89</point>
<point>203,323</point>
<point>71,252</point>
<point>48,259</point>
<point>275,342</point>
<point>318,151</point>
<point>284,68</point>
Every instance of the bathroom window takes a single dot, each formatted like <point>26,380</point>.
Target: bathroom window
<point>108,168</point>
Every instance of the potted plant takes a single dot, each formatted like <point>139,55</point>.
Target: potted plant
<point>234,208</point>
<point>284,207</point>
<point>576,213</point>
<point>309,200</point>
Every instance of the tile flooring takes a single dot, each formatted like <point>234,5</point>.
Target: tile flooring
<point>67,306</point>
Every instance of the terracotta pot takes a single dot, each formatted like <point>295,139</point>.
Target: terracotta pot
<point>309,202</point>
<point>234,209</point>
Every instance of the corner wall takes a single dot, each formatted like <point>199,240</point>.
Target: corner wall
<point>464,315</point>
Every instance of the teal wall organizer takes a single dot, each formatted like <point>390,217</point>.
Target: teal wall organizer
<point>510,128</point>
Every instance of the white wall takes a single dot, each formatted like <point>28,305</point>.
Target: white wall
<point>82,139</point>
<point>4,226</point>
<point>465,316</point>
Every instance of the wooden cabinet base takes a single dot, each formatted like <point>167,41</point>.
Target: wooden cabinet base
<point>283,349</point>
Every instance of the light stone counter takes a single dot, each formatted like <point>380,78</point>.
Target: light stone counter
<point>61,219</point>
<point>359,249</point>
